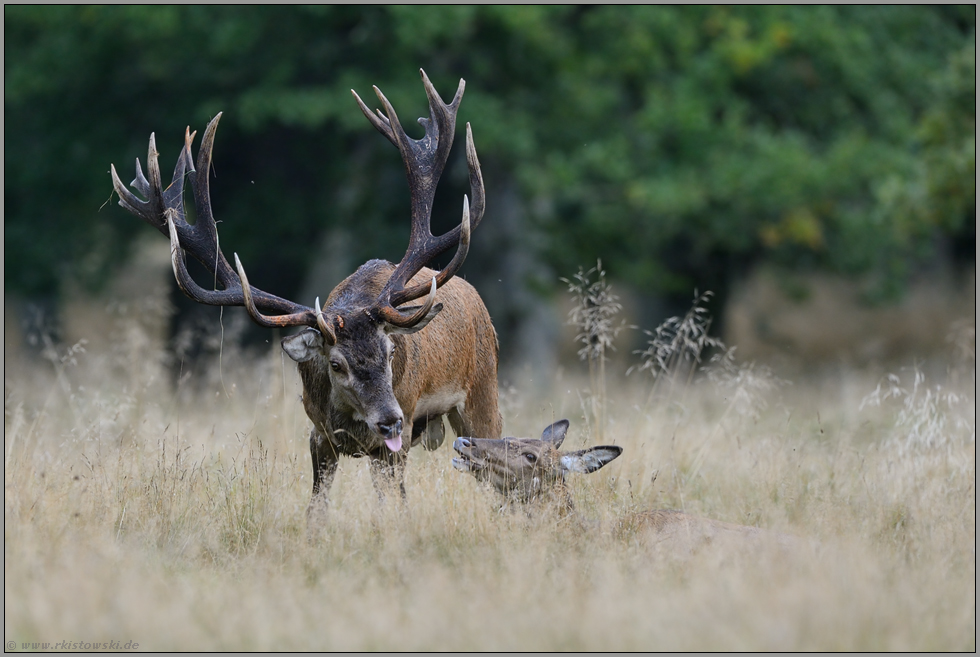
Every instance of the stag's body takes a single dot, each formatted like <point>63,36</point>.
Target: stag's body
<point>531,472</point>
<point>370,372</point>
<point>449,369</point>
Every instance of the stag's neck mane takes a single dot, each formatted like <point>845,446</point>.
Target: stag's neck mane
<point>361,288</point>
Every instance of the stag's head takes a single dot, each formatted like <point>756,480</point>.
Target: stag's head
<point>526,468</point>
<point>356,346</point>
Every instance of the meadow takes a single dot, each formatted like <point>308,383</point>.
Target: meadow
<point>170,511</point>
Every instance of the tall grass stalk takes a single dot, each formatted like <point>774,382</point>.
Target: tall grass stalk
<point>675,349</point>
<point>594,309</point>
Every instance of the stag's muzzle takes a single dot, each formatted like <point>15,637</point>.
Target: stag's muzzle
<point>392,434</point>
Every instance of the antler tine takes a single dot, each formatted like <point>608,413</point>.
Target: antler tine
<point>140,182</point>
<point>173,196</point>
<point>321,323</point>
<point>396,133</point>
<point>202,184</point>
<point>379,120</point>
<point>304,317</point>
<point>398,318</point>
<point>476,179</point>
<point>155,197</point>
<point>129,200</point>
<point>390,127</point>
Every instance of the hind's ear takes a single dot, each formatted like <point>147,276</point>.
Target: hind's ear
<point>589,460</point>
<point>556,432</point>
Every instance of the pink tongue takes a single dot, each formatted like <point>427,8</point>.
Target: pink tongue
<point>394,444</point>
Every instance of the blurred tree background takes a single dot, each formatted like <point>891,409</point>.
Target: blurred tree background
<point>681,145</point>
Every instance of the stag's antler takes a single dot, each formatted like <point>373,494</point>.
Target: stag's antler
<point>424,162</point>
<point>164,210</point>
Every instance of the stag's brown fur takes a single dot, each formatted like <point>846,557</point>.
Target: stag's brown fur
<point>531,472</point>
<point>448,369</point>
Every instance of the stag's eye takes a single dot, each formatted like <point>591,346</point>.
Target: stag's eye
<point>531,458</point>
<point>335,366</point>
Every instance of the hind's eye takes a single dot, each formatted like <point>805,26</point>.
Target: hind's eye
<point>531,458</point>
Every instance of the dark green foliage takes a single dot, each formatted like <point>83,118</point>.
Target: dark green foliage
<point>678,144</point>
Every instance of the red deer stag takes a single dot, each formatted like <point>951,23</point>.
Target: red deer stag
<point>370,373</point>
<point>528,470</point>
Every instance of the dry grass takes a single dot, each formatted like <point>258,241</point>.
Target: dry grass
<point>175,517</point>
<point>593,312</point>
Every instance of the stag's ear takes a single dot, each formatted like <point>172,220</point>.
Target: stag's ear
<point>556,432</point>
<point>391,329</point>
<point>304,345</point>
<point>589,460</point>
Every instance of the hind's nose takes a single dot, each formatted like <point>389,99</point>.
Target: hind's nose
<point>461,443</point>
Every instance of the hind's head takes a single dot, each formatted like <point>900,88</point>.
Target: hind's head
<point>525,468</point>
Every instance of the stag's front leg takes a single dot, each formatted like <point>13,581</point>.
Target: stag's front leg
<point>324,468</point>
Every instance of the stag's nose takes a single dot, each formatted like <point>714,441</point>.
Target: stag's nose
<point>391,429</point>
